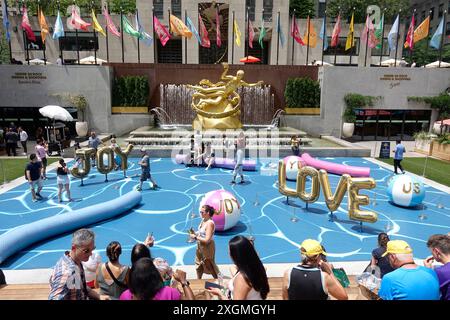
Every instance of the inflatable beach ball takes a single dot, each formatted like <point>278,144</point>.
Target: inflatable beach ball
<point>293,164</point>
<point>227,208</point>
<point>405,190</point>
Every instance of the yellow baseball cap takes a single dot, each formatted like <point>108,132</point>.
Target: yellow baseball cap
<point>397,246</point>
<point>312,247</point>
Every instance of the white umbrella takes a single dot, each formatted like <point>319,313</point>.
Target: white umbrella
<point>436,65</point>
<point>38,61</point>
<point>391,62</point>
<point>319,63</point>
<point>91,60</point>
<point>56,113</point>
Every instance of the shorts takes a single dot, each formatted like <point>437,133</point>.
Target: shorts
<point>44,161</point>
<point>145,175</point>
<point>213,155</point>
<point>35,183</point>
<point>63,179</point>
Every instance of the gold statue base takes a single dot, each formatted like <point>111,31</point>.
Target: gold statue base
<point>202,123</point>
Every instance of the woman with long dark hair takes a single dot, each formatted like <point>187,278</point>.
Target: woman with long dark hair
<point>250,281</point>
<point>377,255</point>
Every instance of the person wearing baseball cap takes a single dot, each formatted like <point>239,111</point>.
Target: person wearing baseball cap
<point>313,279</point>
<point>408,281</point>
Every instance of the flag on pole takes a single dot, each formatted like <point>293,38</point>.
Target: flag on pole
<point>218,37</point>
<point>295,33</point>
<point>350,43</point>
<point>393,34</point>
<point>379,32</point>
<point>128,28</point>
<point>435,41</point>
<point>161,31</point>
<point>368,34</point>
<point>58,30</point>
<point>262,33</point>
<point>203,33</point>
<point>6,21</point>
<point>251,34</point>
<point>322,35</point>
<point>26,25</point>
<point>312,42</point>
<point>280,31</point>
<point>410,36</point>
<point>237,33</point>
<point>336,32</point>
<point>192,28</point>
<point>144,36</point>
<point>44,26</point>
<point>110,24</point>
<point>179,28</point>
<point>77,22</point>
<point>97,27</point>
<point>421,31</point>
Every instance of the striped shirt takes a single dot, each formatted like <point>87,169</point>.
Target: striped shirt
<point>67,281</point>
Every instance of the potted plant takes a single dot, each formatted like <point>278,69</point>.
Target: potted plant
<point>440,147</point>
<point>302,96</point>
<point>423,142</point>
<point>353,101</point>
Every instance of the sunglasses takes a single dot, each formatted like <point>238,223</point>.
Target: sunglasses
<point>86,251</point>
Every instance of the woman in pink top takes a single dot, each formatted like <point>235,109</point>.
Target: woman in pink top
<point>145,283</point>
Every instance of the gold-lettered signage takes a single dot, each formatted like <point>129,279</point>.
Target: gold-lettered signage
<point>395,79</point>
<point>29,77</point>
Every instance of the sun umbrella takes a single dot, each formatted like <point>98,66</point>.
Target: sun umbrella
<point>91,60</point>
<point>319,63</point>
<point>391,62</point>
<point>436,64</point>
<point>38,61</point>
<point>55,113</point>
<point>250,59</point>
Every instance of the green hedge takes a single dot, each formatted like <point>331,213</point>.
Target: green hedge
<point>354,101</point>
<point>131,91</point>
<point>302,93</point>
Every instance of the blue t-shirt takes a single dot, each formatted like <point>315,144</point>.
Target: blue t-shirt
<point>399,150</point>
<point>410,284</point>
<point>145,159</point>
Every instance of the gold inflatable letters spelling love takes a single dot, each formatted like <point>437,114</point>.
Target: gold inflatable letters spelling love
<point>320,178</point>
<point>86,153</point>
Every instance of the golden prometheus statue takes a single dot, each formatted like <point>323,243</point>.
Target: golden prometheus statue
<point>218,104</point>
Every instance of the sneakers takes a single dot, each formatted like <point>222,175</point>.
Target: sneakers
<point>39,197</point>
<point>233,182</point>
<point>34,200</point>
<point>403,172</point>
<point>138,189</point>
<point>242,182</point>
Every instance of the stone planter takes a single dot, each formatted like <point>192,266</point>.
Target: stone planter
<point>81,128</point>
<point>304,111</point>
<point>423,146</point>
<point>127,109</point>
<point>440,151</point>
<point>347,129</point>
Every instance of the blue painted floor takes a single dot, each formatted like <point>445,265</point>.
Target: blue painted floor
<point>265,216</point>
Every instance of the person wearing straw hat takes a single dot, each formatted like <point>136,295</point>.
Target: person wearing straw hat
<point>313,279</point>
<point>408,281</point>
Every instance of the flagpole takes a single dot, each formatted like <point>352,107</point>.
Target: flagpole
<point>307,45</point>
<point>107,35</point>
<point>232,40</point>
<point>262,40</point>
<point>95,34</point>
<point>248,33</point>
<point>293,44</point>
<point>324,31</point>
<point>43,42</point>
<point>185,38</point>
<point>278,34</point>
<point>410,48</point>
<point>60,50</point>
<point>121,31</point>
<point>353,34</point>
<point>76,37</point>
<point>138,40</point>
<point>335,47</point>
<point>367,41</point>
<point>9,42</point>
<point>398,36</point>
<point>217,30</point>
<point>428,34</point>
<point>155,43</point>
<point>442,39</point>
<point>382,39</point>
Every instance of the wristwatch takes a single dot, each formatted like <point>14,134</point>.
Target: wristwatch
<point>185,284</point>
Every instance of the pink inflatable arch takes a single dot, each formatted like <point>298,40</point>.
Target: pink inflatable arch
<point>335,167</point>
<point>225,163</point>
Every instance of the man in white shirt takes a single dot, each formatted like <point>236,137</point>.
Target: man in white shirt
<point>23,139</point>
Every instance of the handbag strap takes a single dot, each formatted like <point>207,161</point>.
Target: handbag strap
<point>119,283</point>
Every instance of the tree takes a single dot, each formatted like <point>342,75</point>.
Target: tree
<point>422,57</point>
<point>303,8</point>
<point>346,8</point>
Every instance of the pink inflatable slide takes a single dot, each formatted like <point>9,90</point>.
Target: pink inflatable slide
<point>335,167</point>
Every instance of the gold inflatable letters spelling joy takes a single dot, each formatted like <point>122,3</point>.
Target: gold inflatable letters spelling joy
<point>320,177</point>
<point>85,153</point>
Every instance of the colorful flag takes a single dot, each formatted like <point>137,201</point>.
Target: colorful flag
<point>218,37</point>
<point>350,43</point>
<point>262,33</point>
<point>410,36</point>
<point>96,25</point>
<point>58,30</point>
<point>110,24</point>
<point>203,33</point>
<point>435,41</point>
<point>128,28</point>
<point>179,28</point>
<point>77,22</point>
<point>311,34</point>
<point>393,34</point>
<point>379,32</point>
<point>323,35</point>
<point>421,31</point>
<point>44,26</point>
<point>251,34</point>
<point>368,35</point>
<point>336,32</point>
<point>295,33</point>
<point>144,36</point>
<point>237,33</point>
<point>280,31</point>
<point>161,31</point>
<point>6,20</point>
<point>192,28</point>
<point>26,25</point>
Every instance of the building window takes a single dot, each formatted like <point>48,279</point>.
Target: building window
<point>258,52</point>
<point>34,45</point>
<point>431,13</point>
<point>158,8</point>
<point>441,10</point>
<point>214,54</point>
<point>321,9</point>
<point>176,8</point>
<point>447,29</point>
<point>86,41</point>
<point>171,52</point>
<point>340,48</point>
<point>250,4</point>
<point>267,7</point>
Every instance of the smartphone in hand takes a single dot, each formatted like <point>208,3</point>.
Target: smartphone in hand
<point>212,285</point>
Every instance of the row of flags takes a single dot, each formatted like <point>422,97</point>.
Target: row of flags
<point>371,35</point>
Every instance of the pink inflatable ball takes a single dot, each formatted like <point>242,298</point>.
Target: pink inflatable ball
<point>226,206</point>
<point>293,165</point>
<point>181,158</point>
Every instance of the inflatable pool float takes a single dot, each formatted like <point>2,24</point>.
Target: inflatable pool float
<point>336,168</point>
<point>225,163</point>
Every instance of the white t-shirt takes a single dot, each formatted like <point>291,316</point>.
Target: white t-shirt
<point>23,136</point>
<point>90,266</point>
<point>239,156</point>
